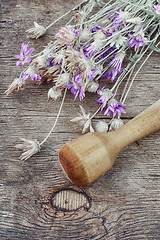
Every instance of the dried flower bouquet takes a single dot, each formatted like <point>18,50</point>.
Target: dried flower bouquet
<point>107,42</point>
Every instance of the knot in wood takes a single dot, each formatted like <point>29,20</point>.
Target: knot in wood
<point>70,199</point>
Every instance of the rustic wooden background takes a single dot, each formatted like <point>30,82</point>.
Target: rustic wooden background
<point>123,204</point>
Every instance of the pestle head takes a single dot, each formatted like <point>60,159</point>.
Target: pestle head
<point>87,157</point>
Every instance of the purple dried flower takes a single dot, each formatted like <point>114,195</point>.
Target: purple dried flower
<point>120,18</point>
<point>138,40</point>
<point>113,73</point>
<point>115,67</point>
<point>24,53</point>
<point>93,73</point>
<point>156,9</point>
<point>76,87</point>
<point>90,50</point>
<point>115,108</point>
<point>32,73</point>
<point>116,63</point>
<point>105,95</point>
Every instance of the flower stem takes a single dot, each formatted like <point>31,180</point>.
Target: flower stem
<point>137,73</point>
<point>94,114</point>
<point>56,118</point>
<point>66,14</point>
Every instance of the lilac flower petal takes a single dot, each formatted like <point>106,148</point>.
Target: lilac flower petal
<point>76,32</point>
<point>18,56</point>
<point>93,74</point>
<point>89,51</point>
<point>23,55</point>
<point>22,47</point>
<point>115,108</point>
<point>29,51</point>
<point>137,41</point>
<point>35,77</point>
<point>76,94</point>
<point>28,60</point>
<point>18,63</point>
<point>76,87</point>
<point>25,76</point>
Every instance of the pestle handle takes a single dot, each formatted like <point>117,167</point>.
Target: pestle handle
<point>142,125</point>
<point>88,157</point>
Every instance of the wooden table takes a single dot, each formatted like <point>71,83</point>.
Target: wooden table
<point>37,200</point>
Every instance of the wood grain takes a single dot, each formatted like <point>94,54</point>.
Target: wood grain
<point>125,201</point>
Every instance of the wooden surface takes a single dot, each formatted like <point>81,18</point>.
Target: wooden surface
<point>37,200</point>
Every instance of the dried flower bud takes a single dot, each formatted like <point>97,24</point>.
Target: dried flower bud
<point>92,86</point>
<point>59,57</point>
<point>79,14</point>
<point>136,20</point>
<point>99,35</point>
<point>54,93</point>
<point>32,73</point>
<point>116,123</point>
<point>85,35</point>
<point>37,31</point>
<point>63,80</point>
<point>41,61</point>
<point>99,42</point>
<point>101,126</point>
<point>124,15</point>
<point>117,40</point>
<point>15,86</point>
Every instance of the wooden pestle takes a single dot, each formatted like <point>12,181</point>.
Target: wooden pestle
<point>93,154</point>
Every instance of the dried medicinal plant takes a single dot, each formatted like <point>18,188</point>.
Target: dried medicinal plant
<point>107,42</point>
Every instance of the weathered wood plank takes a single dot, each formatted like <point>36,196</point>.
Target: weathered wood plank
<point>125,202</point>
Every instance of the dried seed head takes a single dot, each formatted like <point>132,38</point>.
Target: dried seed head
<point>54,93</point>
<point>101,126</point>
<point>92,86</point>
<point>85,35</point>
<point>135,20</point>
<point>116,123</point>
<point>84,121</point>
<point>41,61</point>
<point>65,35</point>
<point>63,80</point>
